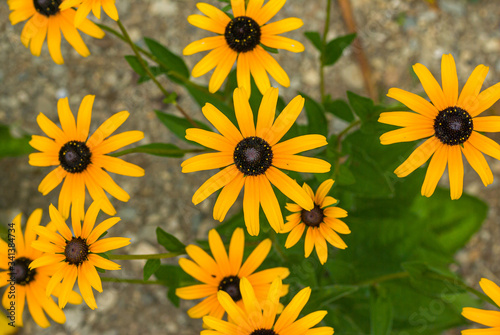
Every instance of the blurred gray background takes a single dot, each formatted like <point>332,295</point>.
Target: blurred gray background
<point>395,34</point>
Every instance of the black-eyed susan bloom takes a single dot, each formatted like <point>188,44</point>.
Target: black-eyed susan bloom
<point>451,121</point>
<point>85,6</point>
<point>223,272</point>
<point>25,285</point>
<point>255,318</point>
<point>322,223</point>
<point>82,161</point>
<point>252,157</point>
<point>47,20</point>
<point>485,317</point>
<point>75,255</point>
<point>240,40</point>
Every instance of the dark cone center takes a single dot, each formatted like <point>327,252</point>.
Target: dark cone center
<point>47,7</point>
<point>242,34</point>
<point>74,156</point>
<point>231,285</point>
<point>21,271</point>
<point>314,217</point>
<point>76,251</point>
<point>253,156</point>
<point>263,332</point>
<point>453,126</point>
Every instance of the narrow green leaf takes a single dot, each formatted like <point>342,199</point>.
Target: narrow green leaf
<point>340,109</point>
<point>381,314</point>
<point>269,49</point>
<point>316,120</point>
<point>335,47</point>
<point>168,59</point>
<point>174,277</point>
<point>12,146</point>
<point>178,125</point>
<point>156,149</point>
<point>150,268</point>
<point>169,241</point>
<point>202,96</point>
<point>315,39</point>
<point>135,64</point>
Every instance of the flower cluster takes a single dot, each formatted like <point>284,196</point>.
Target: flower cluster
<point>47,19</point>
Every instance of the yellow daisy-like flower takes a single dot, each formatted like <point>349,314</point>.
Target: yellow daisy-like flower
<point>81,160</point>
<point>47,19</point>
<point>252,157</point>
<point>452,123</point>
<point>259,318</point>
<point>485,317</point>
<point>84,7</point>
<point>240,40</point>
<point>25,284</point>
<point>75,255</point>
<point>223,273</point>
<point>322,223</point>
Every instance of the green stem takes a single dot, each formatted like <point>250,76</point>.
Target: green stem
<point>148,256</point>
<point>141,60</point>
<point>132,281</point>
<point>323,45</point>
<point>159,62</point>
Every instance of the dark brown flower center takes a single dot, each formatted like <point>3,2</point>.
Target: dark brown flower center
<point>74,156</point>
<point>47,7</point>
<point>231,285</point>
<point>21,271</point>
<point>314,217</point>
<point>76,251</point>
<point>242,34</point>
<point>453,126</point>
<point>253,156</point>
<point>263,332</point>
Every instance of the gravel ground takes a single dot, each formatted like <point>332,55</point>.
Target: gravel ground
<point>395,34</point>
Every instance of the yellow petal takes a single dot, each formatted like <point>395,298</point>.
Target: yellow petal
<point>431,86</point>
<point>478,163</point>
<point>251,205</point>
<point>414,102</point>
<point>435,170</point>
<point>455,171</point>
<point>418,157</point>
<point>472,87</point>
<point>449,80</point>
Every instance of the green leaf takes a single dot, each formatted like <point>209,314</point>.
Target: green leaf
<point>362,106</point>
<point>316,120</point>
<point>433,281</point>
<point>170,99</point>
<point>135,64</point>
<point>340,109</point>
<point>345,176</point>
<point>13,146</point>
<point>202,96</point>
<point>315,39</point>
<point>150,268</point>
<point>269,49</point>
<point>178,125</point>
<point>325,295</point>
<point>168,60</point>
<point>458,220</point>
<point>381,313</point>
<point>169,241</point>
<point>335,47</point>
<point>173,277</point>
<point>156,149</point>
